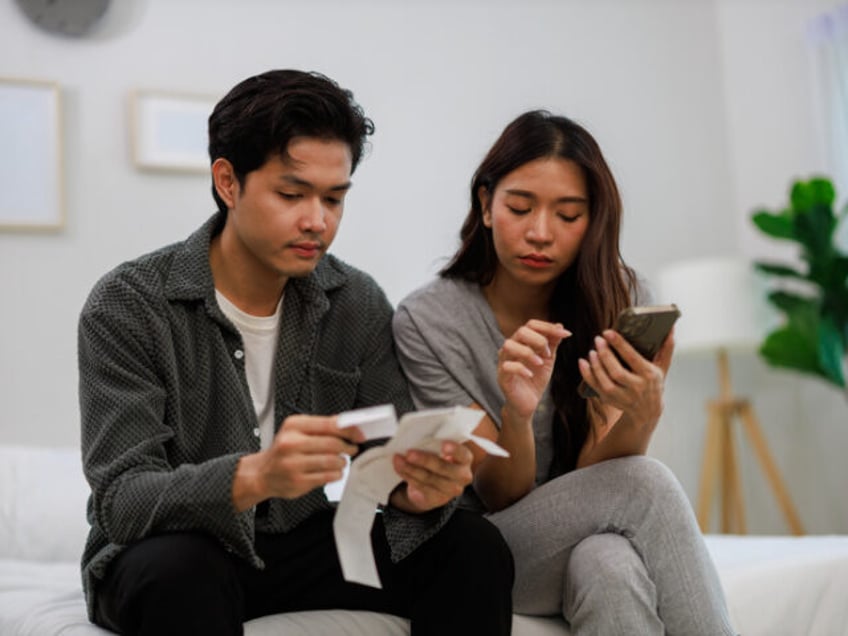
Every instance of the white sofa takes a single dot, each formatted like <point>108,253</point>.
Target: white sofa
<point>775,585</point>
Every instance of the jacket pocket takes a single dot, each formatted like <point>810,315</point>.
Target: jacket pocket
<point>333,390</point>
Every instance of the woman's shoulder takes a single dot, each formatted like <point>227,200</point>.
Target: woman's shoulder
<point>439,292</point>
<point>443,305</point>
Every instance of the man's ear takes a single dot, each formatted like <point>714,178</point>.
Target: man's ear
<point>485,205</point>
<point>225,181</point>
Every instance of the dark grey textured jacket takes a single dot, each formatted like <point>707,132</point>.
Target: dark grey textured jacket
<point>166,411</point>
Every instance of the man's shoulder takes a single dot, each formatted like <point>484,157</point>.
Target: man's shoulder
<point>141,278</point>
<point>341,280</point>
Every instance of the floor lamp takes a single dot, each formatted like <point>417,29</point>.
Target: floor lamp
<point>723,308</point>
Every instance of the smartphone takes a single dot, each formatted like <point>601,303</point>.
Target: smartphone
<point>645,327</point>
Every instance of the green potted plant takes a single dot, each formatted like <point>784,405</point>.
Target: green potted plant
<point>813,298</point>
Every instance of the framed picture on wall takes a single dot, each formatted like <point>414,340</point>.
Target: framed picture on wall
<point>169,131</point>
<point>31,182</point>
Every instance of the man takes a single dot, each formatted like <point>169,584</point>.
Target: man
<point>210,375</point>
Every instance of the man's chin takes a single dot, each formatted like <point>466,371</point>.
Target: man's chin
<point>300,269</point>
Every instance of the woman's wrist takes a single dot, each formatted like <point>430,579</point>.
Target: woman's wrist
<point>515,418</point>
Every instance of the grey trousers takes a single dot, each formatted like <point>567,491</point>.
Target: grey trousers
<point>615,548</point>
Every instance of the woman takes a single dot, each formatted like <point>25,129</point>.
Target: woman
<point>518,317</point>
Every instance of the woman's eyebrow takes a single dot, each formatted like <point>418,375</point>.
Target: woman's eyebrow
<point>529,195</point>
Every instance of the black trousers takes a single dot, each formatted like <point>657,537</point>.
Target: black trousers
<point>458,582</point>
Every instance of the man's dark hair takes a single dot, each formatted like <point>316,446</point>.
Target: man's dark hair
<point>260,116</point>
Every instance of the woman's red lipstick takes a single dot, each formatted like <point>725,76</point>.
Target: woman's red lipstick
<point>537,261</point>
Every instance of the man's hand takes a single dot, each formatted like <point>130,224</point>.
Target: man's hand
<point>306,453</point>
<point>431,480</point>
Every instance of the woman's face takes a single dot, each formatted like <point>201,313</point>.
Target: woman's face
<point>538,215</point>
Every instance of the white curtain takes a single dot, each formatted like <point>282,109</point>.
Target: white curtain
<point>828,40</point>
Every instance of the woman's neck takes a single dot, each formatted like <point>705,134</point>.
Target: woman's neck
<point>514,303</point>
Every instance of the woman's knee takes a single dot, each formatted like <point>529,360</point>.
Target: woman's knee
<point>648,476</point>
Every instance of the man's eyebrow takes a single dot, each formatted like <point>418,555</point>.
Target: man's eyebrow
<point>293,180</point>
<point>529,195</point>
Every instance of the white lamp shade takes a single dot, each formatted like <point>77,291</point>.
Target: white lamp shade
<point>722,302</point>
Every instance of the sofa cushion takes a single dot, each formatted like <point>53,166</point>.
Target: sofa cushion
<point>42,504</point>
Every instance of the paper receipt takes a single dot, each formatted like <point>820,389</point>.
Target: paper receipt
<point>372,477</point>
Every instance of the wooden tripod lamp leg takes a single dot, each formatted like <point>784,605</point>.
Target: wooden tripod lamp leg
<point>755,434</point>
<point>736,503</point>
<point>709,466</point>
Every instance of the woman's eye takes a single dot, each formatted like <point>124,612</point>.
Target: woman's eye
<point>518,211</point>
<point>569,218</point>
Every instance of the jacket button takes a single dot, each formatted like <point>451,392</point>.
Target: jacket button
<point>239,354</point>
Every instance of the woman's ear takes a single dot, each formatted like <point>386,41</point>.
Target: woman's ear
<point>225,181</point>
<point>485,205</point>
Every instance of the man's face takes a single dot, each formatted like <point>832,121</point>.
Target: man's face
<point>285,216</point>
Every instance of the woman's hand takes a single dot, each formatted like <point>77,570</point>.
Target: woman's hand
<point>636,392</point>
<point>525,363</point>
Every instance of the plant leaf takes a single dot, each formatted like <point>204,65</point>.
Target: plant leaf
<point>788,347</point>
<point>779,270</point>
<point>824,193</point>
<point>778,226</point>
<point>816,191</point>
<point>831,350</point>
<point>793,303</point>
<point>813,228</point>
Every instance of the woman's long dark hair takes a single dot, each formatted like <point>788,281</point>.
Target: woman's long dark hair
<point>589,294</point>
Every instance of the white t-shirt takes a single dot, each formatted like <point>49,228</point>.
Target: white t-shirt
<point>259,334</point>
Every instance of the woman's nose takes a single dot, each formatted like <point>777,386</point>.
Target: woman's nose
<point>539,229</point>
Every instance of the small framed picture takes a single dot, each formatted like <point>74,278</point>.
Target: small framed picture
<point>31,182</point>
<point>169,131</point>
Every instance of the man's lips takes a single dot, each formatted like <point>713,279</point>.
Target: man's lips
<point>306,249</point>
<point>536,260</point>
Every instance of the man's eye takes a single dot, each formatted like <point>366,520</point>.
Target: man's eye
<point>333,200</point>
<point>289,196</point>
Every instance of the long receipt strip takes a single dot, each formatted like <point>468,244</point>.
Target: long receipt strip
<point>372,476</point>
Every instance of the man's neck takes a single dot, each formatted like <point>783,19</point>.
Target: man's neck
<point>245,283</point>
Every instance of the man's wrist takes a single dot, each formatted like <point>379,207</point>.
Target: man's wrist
<point>247,488</point>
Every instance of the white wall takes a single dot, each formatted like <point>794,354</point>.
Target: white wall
<point>771,131</point>
<point>667,86</point>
